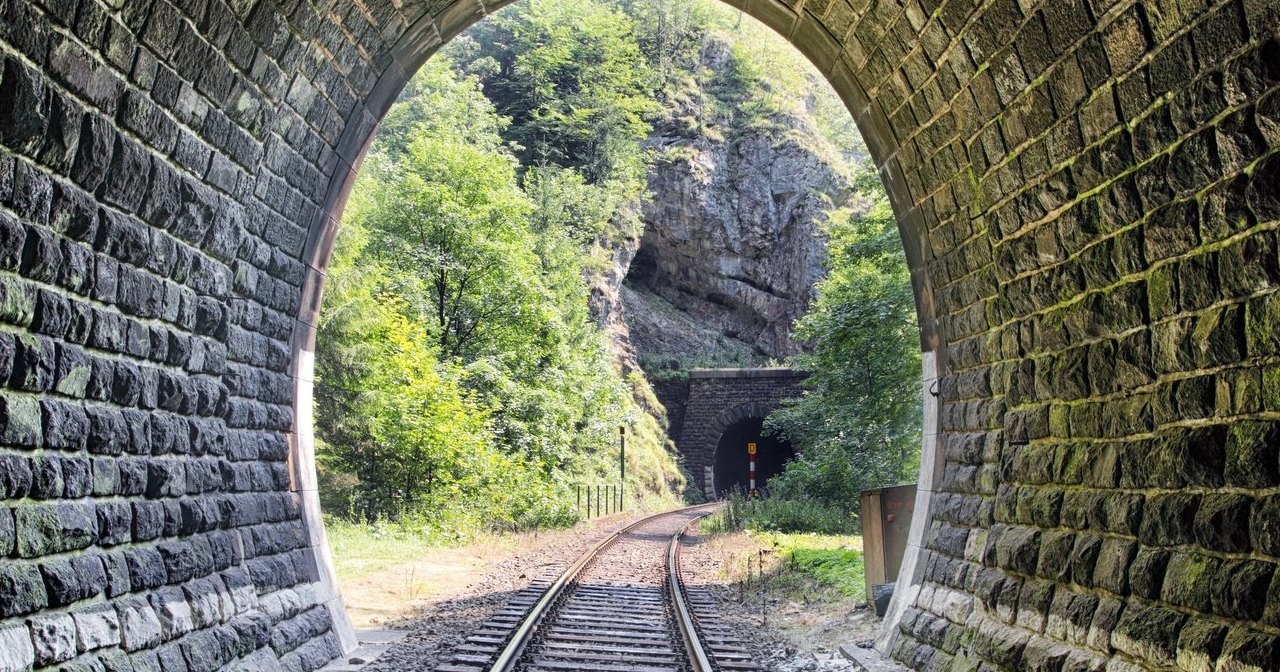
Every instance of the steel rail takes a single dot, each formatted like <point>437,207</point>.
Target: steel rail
<point>511,653</point>
<point>684,616</point>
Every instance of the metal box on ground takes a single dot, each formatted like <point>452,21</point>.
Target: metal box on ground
<point>886,522</point>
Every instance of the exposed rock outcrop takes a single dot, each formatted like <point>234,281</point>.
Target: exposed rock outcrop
<point>732,244</point>
<point>732,238</point>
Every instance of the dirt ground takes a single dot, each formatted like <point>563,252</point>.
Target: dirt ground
<point>442,597</point>
<point>386,597</point>
<point>791,622</point>
<point>393,596</point>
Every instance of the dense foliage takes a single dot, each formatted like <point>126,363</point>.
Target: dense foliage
<point>858,425</point>
<point>571,78</point>
<point>461,381</point>
<point>724,76</point>
<point>780,514</point>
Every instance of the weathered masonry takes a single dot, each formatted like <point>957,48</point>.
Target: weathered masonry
<point>710,401</point>
<point>1088,196</point>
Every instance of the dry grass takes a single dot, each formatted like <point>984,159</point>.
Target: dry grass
<point>811,605</point>
<point>387,578</point>
<point>384,578</point>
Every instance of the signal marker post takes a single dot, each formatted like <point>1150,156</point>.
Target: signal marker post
<point>751,468</point>
<point>622,463</point>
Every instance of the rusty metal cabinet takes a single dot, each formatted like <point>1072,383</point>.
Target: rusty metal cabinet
<point>886,522</point>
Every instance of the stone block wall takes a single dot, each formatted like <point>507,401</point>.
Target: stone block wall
<point>1087,193</point>
<point>714,399</point>
<point>672,394</point>
<point>159,164</point>
<point>1104,260</point>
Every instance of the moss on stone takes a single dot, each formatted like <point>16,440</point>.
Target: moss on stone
<point>1072,459</point>
<point>38,529</point>
<point>1262,325</point>
<point>19,419</point>
<point>1189,581</point>
<point>1251,455</point>
<point>1149,632</point>
<point>1199,644</point>
<point>75,381</point>
<point>17,302</point>
<point>1162,293</point>
<point>1271,388</point>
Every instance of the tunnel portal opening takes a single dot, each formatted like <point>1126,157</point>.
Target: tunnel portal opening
<point>732,462</point>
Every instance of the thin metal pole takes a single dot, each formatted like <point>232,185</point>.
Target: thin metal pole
<point>622,462</point>
<point>764,592</point>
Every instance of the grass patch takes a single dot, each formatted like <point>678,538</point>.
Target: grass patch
<point>816,548</point>
<point>360,550</point>
<point>831,560</point>
<point>387,572</point>
<point>806,568</point>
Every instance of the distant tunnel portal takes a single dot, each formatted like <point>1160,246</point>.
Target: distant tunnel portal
<point>732,459</point>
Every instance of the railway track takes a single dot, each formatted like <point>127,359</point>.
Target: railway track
<point>621,607</point>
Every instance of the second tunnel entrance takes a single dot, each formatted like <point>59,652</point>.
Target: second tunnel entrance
<point>732,459</point>
<point>711,405</point>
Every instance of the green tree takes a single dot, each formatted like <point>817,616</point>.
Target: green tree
<point>670,34</point>
<point>858,425</point>
<point>386,417</point>
<point>450,219</point>
<point>438,432</point>
<point>439,102</point>
<point>461,379</point>
<point>571,76</point>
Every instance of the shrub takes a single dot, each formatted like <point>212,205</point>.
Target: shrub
<point>776,514</point>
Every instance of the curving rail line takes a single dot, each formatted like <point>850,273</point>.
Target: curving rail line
<point>685,619</point>
<point>618,608</point>
<point>633,642</point>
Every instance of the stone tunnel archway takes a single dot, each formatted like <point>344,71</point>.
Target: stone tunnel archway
<point>730,464</point>
<point>703,406</point>
<point>1087,195</point>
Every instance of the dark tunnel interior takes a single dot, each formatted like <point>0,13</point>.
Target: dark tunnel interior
<point>731,462</point>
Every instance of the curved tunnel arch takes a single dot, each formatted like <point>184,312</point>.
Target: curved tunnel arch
<point>731,429</point>
<point>419,42</point>
<point>1086,192</point>
<point>729,416</point>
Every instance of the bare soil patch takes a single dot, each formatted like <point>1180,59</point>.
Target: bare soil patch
<point>447,593</point>
<point>790,621</point>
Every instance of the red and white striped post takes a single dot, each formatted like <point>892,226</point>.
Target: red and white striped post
<point>751,468</point>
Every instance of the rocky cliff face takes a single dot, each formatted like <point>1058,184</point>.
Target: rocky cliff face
<point>732,246</point>
<point>732,240</point>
